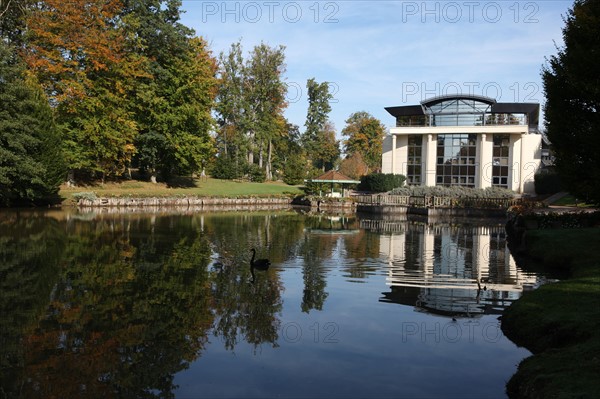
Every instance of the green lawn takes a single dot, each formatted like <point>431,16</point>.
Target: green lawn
<point>559,322</point>
<point>184,187</point>
<point>570,200</point>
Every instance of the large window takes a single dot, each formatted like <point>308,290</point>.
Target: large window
<point>414,162</point>
<point>412,120</point>
<point>500,160</point>
<point>456,155</point>
<point>458,112</point>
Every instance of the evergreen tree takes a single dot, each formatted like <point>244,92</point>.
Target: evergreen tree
<point>573,101</point>
<point>31,168</point>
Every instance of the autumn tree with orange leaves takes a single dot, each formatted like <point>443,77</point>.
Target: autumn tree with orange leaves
<point>77,49</point>
<point>365,136</point>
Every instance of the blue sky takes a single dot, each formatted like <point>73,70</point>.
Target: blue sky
<point>388,53</point>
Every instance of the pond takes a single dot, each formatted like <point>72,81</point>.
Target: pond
<point>163,305</point>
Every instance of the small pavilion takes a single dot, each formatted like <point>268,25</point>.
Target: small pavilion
<point>334,177</point>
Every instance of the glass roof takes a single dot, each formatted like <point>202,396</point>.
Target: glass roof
<point>457,106</point>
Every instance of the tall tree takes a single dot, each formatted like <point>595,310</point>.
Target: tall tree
<point>173,103</point>
<point>365,136</point>
<point>266,100</point>
<point>230,103</point>
<point>250,104</point>
<point>31,166</point>
<point>85,73</point>
<point>193,99</point>
<point>316,117</point>
<point>573,100</point>
<point>328,148</point>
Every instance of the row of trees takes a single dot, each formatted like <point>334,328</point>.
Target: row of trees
<point>92,88</point>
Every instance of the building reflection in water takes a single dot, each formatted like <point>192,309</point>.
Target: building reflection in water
<point>463,270</point>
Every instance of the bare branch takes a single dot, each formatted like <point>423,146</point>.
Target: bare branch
<point>6,9</point>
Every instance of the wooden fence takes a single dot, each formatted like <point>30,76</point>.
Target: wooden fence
<point>435,202</point>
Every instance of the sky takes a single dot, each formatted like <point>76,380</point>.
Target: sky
<point>377,54</point>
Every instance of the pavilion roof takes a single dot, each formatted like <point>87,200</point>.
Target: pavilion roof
<point>333,176</point>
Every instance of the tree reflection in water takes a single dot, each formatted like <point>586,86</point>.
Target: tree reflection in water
<point>98,305</point>
<point>129,310</point>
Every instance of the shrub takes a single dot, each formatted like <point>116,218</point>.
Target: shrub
<point>255,173</point>
<point>225,168</point>
<point>87,195</point>
<point>453,192</point>
<point>294,170</point>
<point>381,182</point>
<point>547,183</point>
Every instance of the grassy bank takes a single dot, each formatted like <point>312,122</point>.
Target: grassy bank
<point>559,322</point>
<point>184,187</point>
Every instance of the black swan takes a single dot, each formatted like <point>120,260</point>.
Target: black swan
<point>258,264</point>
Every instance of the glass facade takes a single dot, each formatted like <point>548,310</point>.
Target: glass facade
<point>500,160</point>
<point>461,112</point>
<point>414,161</point>
<point>412,120</point>
<point>456,157</point>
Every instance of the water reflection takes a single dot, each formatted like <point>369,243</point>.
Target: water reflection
<point>119,305</point>
<point>450,269</point>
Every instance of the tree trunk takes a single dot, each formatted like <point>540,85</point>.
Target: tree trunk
<point>269,173</point>
<point>71,178</point>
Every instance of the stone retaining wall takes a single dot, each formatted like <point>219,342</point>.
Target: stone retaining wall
<point>197,202</point>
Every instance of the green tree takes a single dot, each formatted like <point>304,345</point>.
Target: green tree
<point>31,167</point>
<point>192,122</point>
<point>316,118</point>
<point>266,100</point>
<point>573,101</point>
<point>230,104</point>
<point>327,152</point>
<point>250,104</point>
<point>290,159</point>
<point>365,136</point>
<point>173,103</point>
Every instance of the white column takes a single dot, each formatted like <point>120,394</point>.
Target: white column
<point>521,166</point>
<point>393,153</point>
<point>401,154</point>
<point>485,161</point>
<point>429,160</point>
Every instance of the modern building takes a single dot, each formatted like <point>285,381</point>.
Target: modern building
<point>465,140</point>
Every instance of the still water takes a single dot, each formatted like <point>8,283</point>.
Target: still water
<point>162,305</point>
